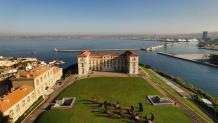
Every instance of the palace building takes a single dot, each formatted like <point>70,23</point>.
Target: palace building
<point>120,62</point>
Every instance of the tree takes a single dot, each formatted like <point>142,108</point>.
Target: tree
<point>4,119</point>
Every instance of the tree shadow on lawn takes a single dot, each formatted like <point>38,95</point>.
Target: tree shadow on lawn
<point>126,120</point>
<point>102,115</point>
<point>85,101</point>
<point>94,106</point>
<point>98,111</point>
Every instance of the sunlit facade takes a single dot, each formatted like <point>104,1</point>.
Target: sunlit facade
<point>124,62</point>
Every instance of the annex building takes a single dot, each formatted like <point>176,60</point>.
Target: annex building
<point>119,62</point>
<point>28,87</point>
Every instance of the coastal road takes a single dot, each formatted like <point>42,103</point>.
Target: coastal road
<point>33,116</point>
<point>189,112</point>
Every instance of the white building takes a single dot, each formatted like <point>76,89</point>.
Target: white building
<point>125,62</point>
<point>17,102</point>
<point>7,63</point>
<point>28,86</point>
<point>41,79</point>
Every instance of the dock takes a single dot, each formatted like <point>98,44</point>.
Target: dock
<point>154,48</point>
<point>81,50</point>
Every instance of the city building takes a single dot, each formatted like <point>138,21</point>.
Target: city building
<point>121,62</point>
<point>204,36</point>
<point>58,72</point>
<point>14,104</point>
<point>27,87</point>
<point>41,79</point>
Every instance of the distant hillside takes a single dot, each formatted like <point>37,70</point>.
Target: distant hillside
<point>212,35</point>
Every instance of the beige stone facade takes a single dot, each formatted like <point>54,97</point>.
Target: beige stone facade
<point>17,102</point>
<point>124,62</point>
<point>28,86</point>
<point>41,79</point>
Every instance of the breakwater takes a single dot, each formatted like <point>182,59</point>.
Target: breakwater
<point>121,49</point>
<point>165,45</point>
<point>188,59</point>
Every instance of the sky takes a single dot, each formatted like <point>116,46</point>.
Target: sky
<point>107,16</point>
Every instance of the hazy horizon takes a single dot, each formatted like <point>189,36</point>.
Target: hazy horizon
<point>82,17</point>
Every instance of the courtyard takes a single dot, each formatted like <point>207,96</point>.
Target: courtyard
<point>127,90</point>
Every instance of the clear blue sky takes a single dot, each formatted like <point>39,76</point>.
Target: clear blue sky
<point>107,16</point>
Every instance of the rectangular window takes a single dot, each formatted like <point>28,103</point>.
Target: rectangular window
<point>23,103</point>
<point>18,108</point>
<point>32,96</point>
<point>11,113</point>
<point>37,82</point>
<point>28,99</point>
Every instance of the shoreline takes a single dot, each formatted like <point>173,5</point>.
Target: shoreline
<point>207,48</point>
<point>185,59</point>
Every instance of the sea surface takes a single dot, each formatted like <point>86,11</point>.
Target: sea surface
<point>202,76</point>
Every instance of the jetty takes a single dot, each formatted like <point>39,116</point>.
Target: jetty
<point>153,48</point>
<point>165,45</point>
<point>81,50</point>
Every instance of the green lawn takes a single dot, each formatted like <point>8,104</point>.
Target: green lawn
<point>127,90</point>
<point>174,93</point>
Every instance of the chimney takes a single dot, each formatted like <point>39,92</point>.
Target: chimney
<point>12,89</point>
<point>18,75</point>
<point>28,75</point>
<point>6,100</point>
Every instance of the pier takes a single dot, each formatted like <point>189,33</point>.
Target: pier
<point>195,58</point>
<point>153,48</point>
<point>68,50</point>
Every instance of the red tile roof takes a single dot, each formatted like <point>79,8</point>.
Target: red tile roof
<point>133,54</point>
<point>34,72</point>
<point>56,70</point>
<point>85,53</point>
<point>12,98</point>
<point>112,54</point>
<point>127,53</point>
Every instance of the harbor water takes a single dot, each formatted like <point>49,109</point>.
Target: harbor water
<point>202,76</point>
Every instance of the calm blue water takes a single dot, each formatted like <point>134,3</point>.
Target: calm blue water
<point>202,76</point>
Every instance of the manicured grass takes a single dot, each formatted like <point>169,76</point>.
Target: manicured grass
<point>174,93</point>
<point>127,90</point>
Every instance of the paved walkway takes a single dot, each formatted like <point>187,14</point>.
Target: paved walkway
<point>33,116</point>
<point>68,81</point>
<point>180,91</point>
<point>108,74</point>
<point>189,112</point>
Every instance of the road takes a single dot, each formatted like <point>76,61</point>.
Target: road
<point>189,112</point>
<point>33,116</point>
